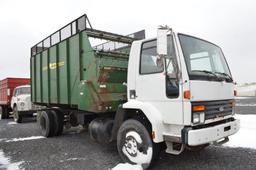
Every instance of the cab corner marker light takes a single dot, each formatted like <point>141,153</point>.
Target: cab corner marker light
<point>187,94</point>
<point>198,108</point>
<point>153,135</point>
<point>235,93</point>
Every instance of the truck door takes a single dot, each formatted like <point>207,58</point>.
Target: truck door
<point>158,87</point>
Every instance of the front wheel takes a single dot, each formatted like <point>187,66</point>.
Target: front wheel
<point>16,116</point>
<point>135,145</point>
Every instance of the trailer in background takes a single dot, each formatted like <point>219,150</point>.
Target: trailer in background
<point>6,92</point>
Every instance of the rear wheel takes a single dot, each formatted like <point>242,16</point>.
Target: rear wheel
<point>58,121</point>
<point>4,112</point>
<point>16,115</point>
<point>135,145</point>
<point>46,123</point>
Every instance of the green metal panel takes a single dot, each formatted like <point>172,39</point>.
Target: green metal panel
<point>72,73</point>
<point>62,70</point>
<point>53,74</point>
<point>45,78</point>
<point>38,78</point>
<point>101,88</point>
<point>74,69</point>
<point>32,74</point>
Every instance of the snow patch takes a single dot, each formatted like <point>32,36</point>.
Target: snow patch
<point>73,159</point>
<point>249,90</point>
<point>12,123</point>
<point>242,97</point>
<point>245,137</point>
<point>21,139</point>
<point>140,157</point>
<point>247,105</point>
<point>6,164</point>
<point>127,166</point>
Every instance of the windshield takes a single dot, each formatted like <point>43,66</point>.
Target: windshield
<point>204,60</point>
<point>23,90</point>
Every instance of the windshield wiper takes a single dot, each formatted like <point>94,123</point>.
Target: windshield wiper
<point>205,71</point>
<point>226,75</point>
<point>209,72</point>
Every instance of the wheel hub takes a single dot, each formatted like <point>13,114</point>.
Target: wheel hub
<point>131,146</point>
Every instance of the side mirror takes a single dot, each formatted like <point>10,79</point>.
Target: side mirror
<point>162,34</point>
<point>8,92</point>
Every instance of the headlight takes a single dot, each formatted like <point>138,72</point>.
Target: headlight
<point>198,117</point>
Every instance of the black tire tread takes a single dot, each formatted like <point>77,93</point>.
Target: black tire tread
<point>49,121</point>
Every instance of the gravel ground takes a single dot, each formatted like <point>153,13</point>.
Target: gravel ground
<point>75,150</point>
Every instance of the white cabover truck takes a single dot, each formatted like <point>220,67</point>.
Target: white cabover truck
<point>175,90</point>
<point>183,87</point>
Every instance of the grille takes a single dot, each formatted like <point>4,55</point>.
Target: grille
<point>214,109</point>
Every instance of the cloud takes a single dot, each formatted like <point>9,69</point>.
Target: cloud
<point>228,23</point>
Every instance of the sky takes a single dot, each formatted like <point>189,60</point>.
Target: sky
<point>228,23</point>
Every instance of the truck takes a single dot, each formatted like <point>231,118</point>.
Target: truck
<point>172,92</point>
<point>7,87</point>
<point>21,103</point>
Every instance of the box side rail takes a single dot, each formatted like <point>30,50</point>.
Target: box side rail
<point>83,24</point>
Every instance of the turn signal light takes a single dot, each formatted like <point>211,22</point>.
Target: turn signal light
<point>187,94</point>
<point>198,108</point>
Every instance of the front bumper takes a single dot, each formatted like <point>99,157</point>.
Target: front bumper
<point>195,137</point>
<point>27,112</point>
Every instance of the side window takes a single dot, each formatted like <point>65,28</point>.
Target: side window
<point>15,93</point>
<point>150,62</point>
<point>172,84</point>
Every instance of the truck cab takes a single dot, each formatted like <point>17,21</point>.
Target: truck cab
<point>21,103</point>
<point>186,92</point>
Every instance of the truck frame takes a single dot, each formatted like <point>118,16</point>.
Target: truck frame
<point>174,91</point>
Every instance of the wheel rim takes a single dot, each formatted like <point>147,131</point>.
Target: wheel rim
<point>43,123</point>
<point>15,114</point>
<point>131,146</point>
<point>137,151</point>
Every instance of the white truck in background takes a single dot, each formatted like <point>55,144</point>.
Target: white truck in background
<point>21,103</point>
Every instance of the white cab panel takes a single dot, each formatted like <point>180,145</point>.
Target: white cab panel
<point>211,90</point>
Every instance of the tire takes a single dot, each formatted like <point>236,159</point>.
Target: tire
<point>16,115</point>
<point>46,123</point>
<point>1,112</point>
<point>135,145</point>
<point>4,112</point>
<point>58,121</point>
